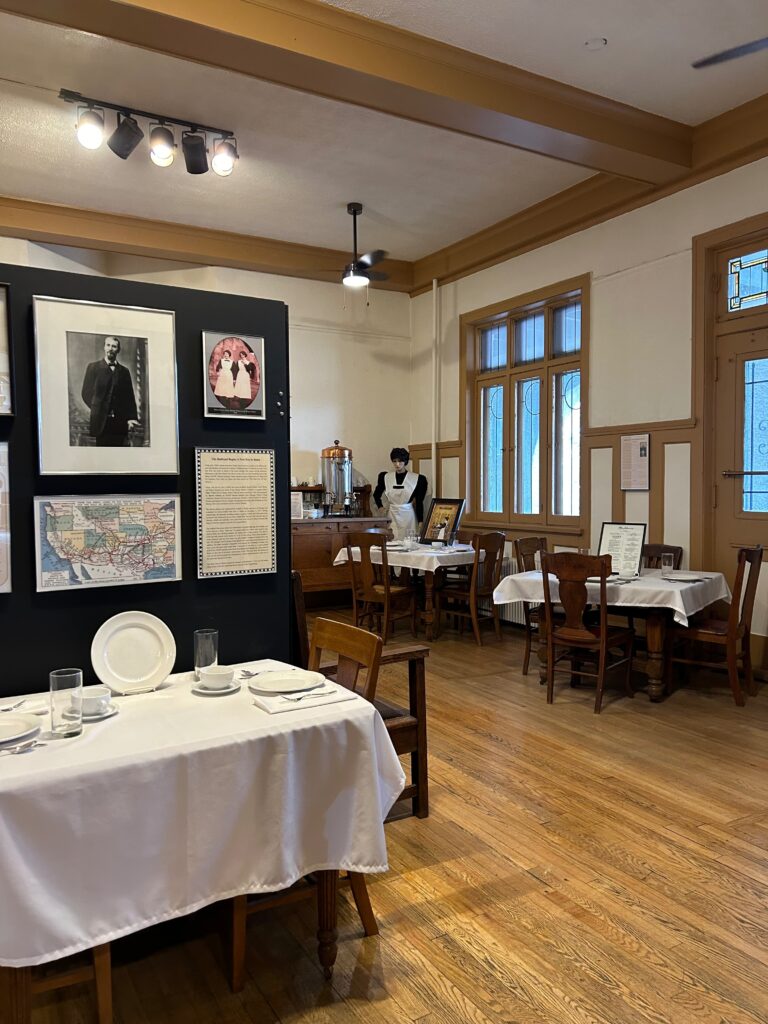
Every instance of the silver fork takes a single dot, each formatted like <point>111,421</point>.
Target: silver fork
<point>303,696</point>
<point>21,748</point>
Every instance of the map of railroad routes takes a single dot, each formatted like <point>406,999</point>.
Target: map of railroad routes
<point>107,541</point>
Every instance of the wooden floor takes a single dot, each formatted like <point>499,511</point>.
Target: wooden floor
<point>574,868</point>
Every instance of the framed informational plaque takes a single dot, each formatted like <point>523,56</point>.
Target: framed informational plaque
<point>635,462</point>
<point>624,543</point>
<point>236,530</point>
<point>6,401</point>
<point>5,523</point>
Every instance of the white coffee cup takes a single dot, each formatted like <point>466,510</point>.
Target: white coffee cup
<point>96,700</point>
<point>216,677</point>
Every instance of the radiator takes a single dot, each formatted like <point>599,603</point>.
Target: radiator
<point>512,612</point>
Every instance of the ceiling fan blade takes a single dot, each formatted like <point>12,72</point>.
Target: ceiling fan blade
<point>735,51</point>
<point>377,275</point>
<point>370,259</point>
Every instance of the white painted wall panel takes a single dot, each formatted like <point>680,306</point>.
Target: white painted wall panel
<point>601,499</point>
<point>677,497</point>
<point>450,477</point>
<point>636,507</point>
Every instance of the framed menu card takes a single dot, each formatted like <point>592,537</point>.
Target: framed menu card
<point>624,543</point>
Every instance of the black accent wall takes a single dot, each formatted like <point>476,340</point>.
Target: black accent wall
<point>39,632</point>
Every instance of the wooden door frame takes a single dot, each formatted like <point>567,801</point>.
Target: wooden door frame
<point>707,287</point>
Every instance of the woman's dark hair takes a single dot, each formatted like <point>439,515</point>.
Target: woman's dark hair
<point>400,455</point>
<point>227,352</point>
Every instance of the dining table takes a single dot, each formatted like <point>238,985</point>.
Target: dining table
<point>654,596</point>
<point>427,559</point>
<point>177,801</point>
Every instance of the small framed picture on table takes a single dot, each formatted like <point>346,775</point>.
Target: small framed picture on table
<point>442,521</point>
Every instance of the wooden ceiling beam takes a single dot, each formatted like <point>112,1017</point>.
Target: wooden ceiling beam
<point>109,232</point>
<point>329,52</point>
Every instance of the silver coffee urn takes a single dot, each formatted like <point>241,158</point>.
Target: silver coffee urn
<point>336,474</point>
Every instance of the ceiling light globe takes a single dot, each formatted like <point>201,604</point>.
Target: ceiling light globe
<point>354,278</point>
<point>162,147</point>
<point>90,129</point>
<point>224,156</point>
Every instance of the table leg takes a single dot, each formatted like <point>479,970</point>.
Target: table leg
<point>16,995</point>
<point>429,603</point>
<point>655,631</point>
<point>327,884</point>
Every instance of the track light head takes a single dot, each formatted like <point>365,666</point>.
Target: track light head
<point>224,156</point>
<point>162,146</point>
<point>126,137</point>
<point>90,128</point>
<point>195,153</point>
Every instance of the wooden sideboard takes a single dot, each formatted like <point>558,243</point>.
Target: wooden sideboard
<point>315,544</point>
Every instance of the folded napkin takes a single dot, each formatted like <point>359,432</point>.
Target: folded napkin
<point>274,704</point>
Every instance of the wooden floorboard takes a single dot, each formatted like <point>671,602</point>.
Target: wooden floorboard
<point>575,869</point>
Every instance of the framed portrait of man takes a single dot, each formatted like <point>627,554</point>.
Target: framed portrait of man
<point>106,388</point>
<point>234,378</point>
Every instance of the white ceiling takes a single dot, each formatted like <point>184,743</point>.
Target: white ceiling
<point>303,157</point>
<point>647,62</point>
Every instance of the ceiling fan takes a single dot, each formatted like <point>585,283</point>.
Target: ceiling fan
<point>358,273</point>
<point>735,51</point>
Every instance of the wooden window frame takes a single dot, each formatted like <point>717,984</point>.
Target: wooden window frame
<point>546,300</point>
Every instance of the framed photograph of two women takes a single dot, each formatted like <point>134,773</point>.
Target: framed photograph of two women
<point>106,388</point>
<point>233,376</point>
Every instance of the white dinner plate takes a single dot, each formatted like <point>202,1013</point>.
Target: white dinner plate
<point>685,577</point>
<point>133,652</point>
<point>288,681</point>
<point>17,728</point>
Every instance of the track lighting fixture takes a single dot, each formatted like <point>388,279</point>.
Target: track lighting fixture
<point>162,147</point>
<point>195,152</point>
<point>90,128</point>
<point>126,137</point>
<point>162,144</point>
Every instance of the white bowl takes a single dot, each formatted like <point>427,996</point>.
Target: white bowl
<point>216,677</point>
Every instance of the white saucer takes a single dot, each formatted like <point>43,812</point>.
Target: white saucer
<point>133,652</point>
<point>17,728</point>
<point>207,691</point>
<point>112,709</point>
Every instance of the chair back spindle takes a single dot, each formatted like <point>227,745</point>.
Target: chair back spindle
<point>571,571</point>
<point>355,649</point>
<point>740,612</point>
<point>526,550</point>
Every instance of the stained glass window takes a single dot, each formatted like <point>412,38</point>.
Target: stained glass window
<point>567,329</point>
<point>527,421</point>
<point>529,339</point>
<point>493,347</point>
<point>566,400</point>
<point>748,281</point>
<point>492,448</point>
<point>755,494</point>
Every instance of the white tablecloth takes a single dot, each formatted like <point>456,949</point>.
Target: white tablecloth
<point>649,590</point>
<point>427,559</point>
<point>178,801</point>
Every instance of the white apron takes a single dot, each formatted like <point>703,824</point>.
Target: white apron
<point>401,511</point>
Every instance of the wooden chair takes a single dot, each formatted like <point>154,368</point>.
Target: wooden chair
<point>374,595</point>
<point>570,635</point>
<point>407,727</point>
<point>526,550</point>
<point>483,579</point>
<point>652,553</point>
<point>355,649</point>
<point>732,634</point>
<point>19,984</point>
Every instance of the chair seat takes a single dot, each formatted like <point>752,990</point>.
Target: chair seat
<point>389,711</point>
<point>704,629</point>
<point>393,590</point>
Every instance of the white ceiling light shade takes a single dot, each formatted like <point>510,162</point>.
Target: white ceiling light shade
<point>162,145</point>
<point>354,277</point>
<point>596,43</point>
<point>90,128</point>
<point>224,157</point>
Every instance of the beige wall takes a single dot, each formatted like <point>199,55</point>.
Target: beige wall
<point>349,363</point>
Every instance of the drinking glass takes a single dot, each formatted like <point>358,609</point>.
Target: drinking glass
<point>66,685</point>
<point>667,563</point>
<point>206,649</point>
